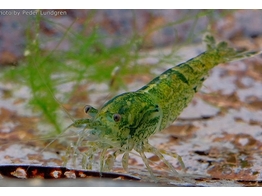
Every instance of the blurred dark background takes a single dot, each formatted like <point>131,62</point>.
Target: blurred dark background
<point>158,27</point>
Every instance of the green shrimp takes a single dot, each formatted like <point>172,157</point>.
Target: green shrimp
<point>126,122</point>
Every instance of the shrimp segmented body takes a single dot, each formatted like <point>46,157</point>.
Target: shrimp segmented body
<point>126,122</point>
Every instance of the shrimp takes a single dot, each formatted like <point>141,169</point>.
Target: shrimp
<point>127,121</point>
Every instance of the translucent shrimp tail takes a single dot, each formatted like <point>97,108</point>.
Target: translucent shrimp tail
<point>224,52</point>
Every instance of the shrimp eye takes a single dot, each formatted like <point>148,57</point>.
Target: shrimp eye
<point>117,117</point>
<point>90,110</point>
<point>87,108</point>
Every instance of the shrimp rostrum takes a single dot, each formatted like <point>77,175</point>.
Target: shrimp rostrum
<point>126,122</point>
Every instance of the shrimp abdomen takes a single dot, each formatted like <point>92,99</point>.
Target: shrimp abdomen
<point>175,88</point>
